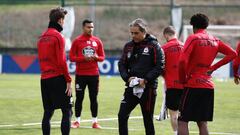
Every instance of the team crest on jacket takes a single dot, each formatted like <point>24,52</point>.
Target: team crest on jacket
<point>94,43</point>
<point>145,51</point>
<point>88,51</point>
<point>128,55</point>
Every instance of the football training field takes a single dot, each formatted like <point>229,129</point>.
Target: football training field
<point>21,109</point>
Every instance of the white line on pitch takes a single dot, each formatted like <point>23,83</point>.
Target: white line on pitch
<point>82,121</point>
<point>216,133</point>
<point>6,125</point>
<point>106,128</point>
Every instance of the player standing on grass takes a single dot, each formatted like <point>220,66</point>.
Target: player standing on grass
<point>172,50</point>
<point>87,50</point>
<point>141,63</point>
<point>236,63</point>
<point>200,49</point>
<point>55,79</point>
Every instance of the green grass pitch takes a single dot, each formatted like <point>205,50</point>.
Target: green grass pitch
<point>20,103</point>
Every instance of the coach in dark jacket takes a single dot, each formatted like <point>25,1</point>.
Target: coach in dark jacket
<point>140,65</point>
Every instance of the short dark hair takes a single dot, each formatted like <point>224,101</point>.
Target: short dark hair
<point>56,14</point>
<point>199,21</point>
<point>86,21</point>
<point>141,23</point>
<point>169,30</point>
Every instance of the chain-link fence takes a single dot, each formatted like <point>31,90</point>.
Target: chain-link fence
<point>21,24</point>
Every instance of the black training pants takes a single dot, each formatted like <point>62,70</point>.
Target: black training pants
<point>80,85</point>
<point>129,102</point>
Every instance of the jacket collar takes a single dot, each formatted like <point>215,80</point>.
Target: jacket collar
<point>85,36</point>
<point>55,25</point>
<point>200,31</point>
<point>173,39</point>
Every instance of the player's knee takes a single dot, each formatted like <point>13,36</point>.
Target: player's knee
<point>48,114</point>
<point>93,97</point>
<point>67,112</point>
<point>80,94</point>
<point>122,116</point>
<point>93,100</point>
<point>174,117</point>
<point>202,124</point>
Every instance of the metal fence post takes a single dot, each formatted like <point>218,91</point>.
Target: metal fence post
<point>63,3</point>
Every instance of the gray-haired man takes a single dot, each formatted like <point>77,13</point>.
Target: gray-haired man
<point>141,63</point>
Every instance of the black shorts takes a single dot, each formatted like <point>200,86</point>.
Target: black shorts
<point>53,93</point>
<point>92,82</point>
<point>173,97</point>
<point>196,105</point>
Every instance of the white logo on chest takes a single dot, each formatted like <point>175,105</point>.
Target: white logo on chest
<point>94,43</point>
<point>128,55</point>
<point>88,42</point>
<point>145,51</point>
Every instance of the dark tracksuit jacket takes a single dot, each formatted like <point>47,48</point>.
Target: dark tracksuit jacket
<point>144,60</point>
